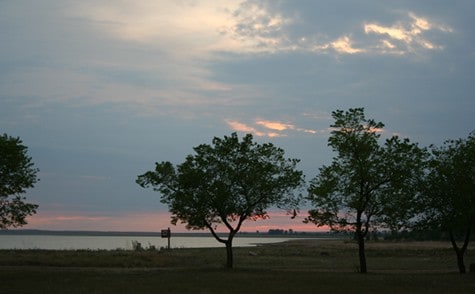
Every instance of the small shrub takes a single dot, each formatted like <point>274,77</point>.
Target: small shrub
<point>137,246</point>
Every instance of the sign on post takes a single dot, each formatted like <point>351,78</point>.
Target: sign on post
<point>167,234</point>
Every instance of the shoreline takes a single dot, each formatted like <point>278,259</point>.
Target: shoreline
<point>158,234</point>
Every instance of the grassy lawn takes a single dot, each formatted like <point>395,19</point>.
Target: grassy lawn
<point>291,267</point>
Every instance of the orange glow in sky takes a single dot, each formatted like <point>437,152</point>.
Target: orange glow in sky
<point>154,222</point>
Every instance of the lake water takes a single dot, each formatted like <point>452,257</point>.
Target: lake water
<point>123,242</point>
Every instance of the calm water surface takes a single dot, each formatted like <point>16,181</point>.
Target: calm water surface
<point>122,242</point>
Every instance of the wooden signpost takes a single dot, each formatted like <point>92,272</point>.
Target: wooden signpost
<point>167,234</point>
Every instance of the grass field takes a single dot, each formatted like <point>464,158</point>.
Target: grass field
<point>296,266</point>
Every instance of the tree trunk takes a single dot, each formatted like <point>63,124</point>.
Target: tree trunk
<point>229,253</point>
<point>228,242</point>
<point>360,237</point>
<point>361,252</point>
<point>460,252</point>
<point>460,262</point>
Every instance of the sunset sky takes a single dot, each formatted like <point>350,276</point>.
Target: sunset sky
<point>100,90</point>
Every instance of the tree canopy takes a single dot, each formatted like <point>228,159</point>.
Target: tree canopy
<point>447,201</point>
<point>368,185</point>
<point>226,183</point>
<point>17,174</point>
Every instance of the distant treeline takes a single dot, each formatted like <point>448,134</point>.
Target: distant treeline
<point>414,235</point>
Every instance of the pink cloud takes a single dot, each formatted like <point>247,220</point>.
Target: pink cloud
<point>276,128</point>
<point>275,125</point>
<point>241,127</point>
<point>152,222</point>
<point>60,220</point>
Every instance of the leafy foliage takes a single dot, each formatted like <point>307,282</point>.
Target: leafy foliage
<point>226,183</point>
<point>366,180</point>
<point>17,174</point>
<point>448,199</point>
<point>447,202</point>
<point>367,185</point>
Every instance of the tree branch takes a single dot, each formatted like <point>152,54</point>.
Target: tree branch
<point>221,240</point>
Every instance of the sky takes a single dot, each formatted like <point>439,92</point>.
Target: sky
<point>101,90</point>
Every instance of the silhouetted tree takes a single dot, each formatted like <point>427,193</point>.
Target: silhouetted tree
<point>367,184</point>
<point>16,175</point>
<point>226,183</point>
<point>447,202</point>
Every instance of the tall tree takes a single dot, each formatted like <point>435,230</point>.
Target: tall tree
<point>17,174</point>
<point>226,183</point>
<point>368,185</point>
<point>447,202</point>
